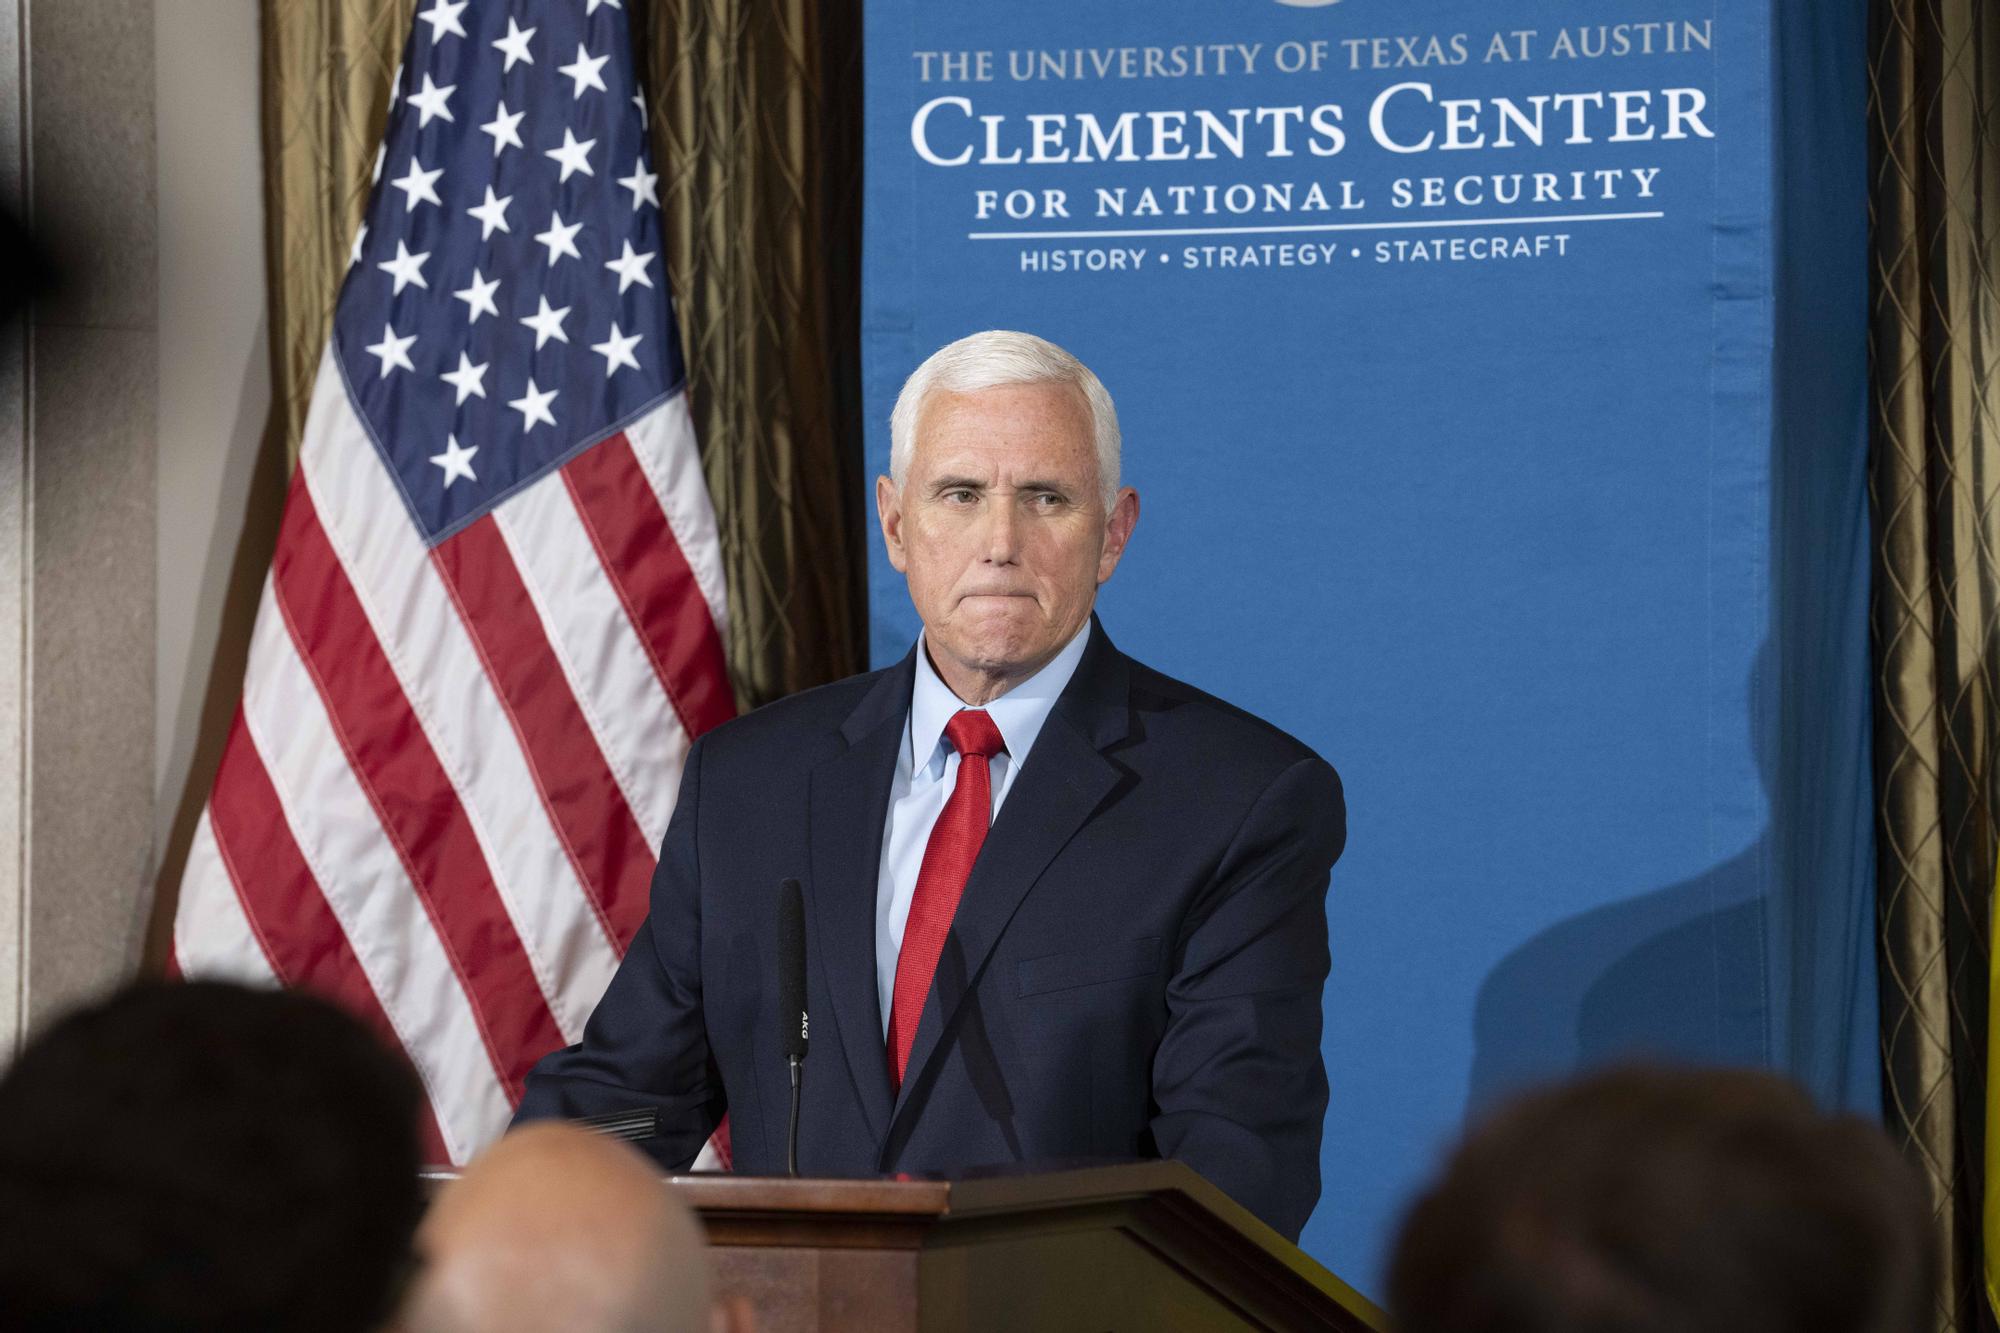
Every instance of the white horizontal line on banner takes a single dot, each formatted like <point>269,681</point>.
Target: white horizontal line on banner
<point>1304,227</point>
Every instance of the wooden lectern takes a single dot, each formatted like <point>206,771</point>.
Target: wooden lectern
<point>1145,1246</point>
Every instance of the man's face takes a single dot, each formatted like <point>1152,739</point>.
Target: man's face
<point>1001,531</point>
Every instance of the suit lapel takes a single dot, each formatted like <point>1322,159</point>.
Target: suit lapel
<point>1065,779</point>
<point>849,803</point>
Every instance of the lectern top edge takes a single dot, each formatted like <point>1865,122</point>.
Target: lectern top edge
<point>1169,1192</point>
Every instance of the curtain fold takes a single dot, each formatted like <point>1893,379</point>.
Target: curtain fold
<point>1934,465</point>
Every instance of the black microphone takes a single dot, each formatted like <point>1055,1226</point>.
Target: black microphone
<point>792,999</point>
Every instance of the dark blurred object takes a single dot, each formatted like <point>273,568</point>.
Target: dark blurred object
<point>25,270</point>
<point>1668,1201</point>
<point>206,1156</point>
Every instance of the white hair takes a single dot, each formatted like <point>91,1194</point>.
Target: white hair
<point>992,360</point>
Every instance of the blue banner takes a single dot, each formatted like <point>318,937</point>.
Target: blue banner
<point>1491,379</point>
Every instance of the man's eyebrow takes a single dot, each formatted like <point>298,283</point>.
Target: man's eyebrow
<point>943,484</point>
<point>1056,487</point>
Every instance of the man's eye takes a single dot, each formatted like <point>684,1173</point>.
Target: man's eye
<point>1048,500</point>
<point>959,497</point>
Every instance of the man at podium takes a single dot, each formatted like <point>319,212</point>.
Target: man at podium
<point>1059,907</point>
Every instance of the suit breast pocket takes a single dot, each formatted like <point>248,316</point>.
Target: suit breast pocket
<point>1121,961</point>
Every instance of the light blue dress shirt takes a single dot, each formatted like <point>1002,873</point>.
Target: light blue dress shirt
<point>926,773</point>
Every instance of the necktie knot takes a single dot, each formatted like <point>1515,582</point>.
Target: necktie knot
<point>971,732</point>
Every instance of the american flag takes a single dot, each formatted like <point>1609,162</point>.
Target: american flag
<point>493,623</point>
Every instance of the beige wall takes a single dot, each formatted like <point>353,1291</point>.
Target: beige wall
<point>85,750</point>
<point>13,556</point>
<point>215,378</point>
<point>131,405</point>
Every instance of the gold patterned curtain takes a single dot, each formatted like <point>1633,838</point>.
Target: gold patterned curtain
<point>755,107</point>
<point>1934,468</point>
<point>328,65</point>
<point>757,127</point>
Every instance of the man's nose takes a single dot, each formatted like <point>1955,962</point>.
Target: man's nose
<point>1003,540</point>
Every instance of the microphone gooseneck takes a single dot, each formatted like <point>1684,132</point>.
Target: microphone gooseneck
<point>792,1001</point>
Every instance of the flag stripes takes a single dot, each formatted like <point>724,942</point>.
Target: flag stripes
<point>612,859</point>
<point>442,961</point>
<point>463,720</point>
<point>494,622</point>
<point>654,580</point>
<point>304,945</point>
<point>415,802</point>
<point>608,669</point>
<point>358,870</point>
<point>664,445</point>
<point>212,934</point>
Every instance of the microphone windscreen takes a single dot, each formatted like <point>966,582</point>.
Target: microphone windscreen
<point>792,967</point>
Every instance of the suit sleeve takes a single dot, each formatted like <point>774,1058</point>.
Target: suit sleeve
<point>1239,1088</point>
<point>646,1043</point>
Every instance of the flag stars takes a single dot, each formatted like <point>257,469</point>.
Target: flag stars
<point>534,406</point>
<point>610,4</point>
<point>393,351</point>
<point>479,297</point>
<point>515,44</point>
<point>616,350</point>
<point>505,127</point>
<point>468,379</point>
<point>630,268</point>
<point>431,101</point>
<point>572,156</point>
<point>419,186</point>
<point>407,269</point>
<point>643,184</point>
<point>456,460</point>
<point>486,228</point>
<point>560,239</point>
<point>585,71</point>
<point>492,215</point>
<point>443,18</point>
<point>547,323</point>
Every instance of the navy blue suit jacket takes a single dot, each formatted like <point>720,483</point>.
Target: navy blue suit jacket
<point>1134,969</point>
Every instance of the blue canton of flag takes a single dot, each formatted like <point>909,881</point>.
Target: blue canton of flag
<point>506,303</point>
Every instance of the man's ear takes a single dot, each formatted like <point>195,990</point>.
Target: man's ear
<point>1118,531</point>
<point>889,512</point>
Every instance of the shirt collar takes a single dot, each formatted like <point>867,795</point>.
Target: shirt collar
<point>1019,713</point>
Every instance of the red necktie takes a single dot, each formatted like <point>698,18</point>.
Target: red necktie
<point>954,845</point>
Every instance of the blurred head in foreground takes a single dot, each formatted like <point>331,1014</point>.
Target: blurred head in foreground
<point>555,1227</point>
<point>1667,1201</point>
<point>206,1156</point>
